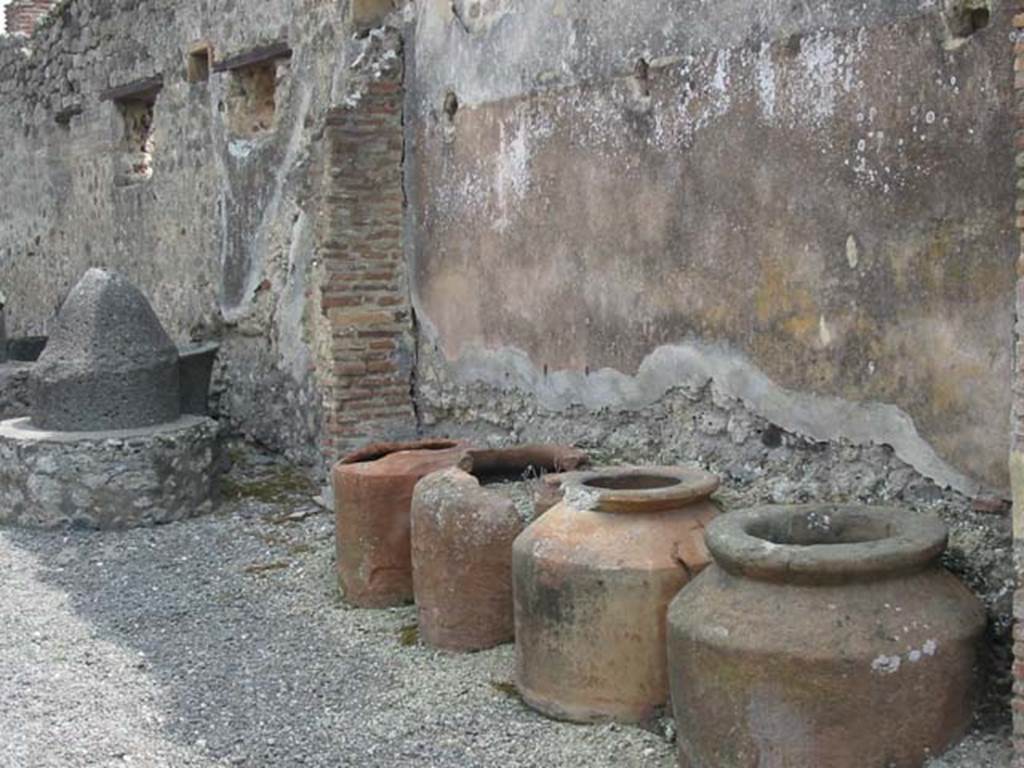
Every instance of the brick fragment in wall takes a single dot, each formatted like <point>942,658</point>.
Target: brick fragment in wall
<point>22,16</point>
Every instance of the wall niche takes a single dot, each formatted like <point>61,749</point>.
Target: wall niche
<point>252,89</point>
<point>135,147</point>
<point>198,63</point>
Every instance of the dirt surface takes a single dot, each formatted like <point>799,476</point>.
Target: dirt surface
<point>223,641</point>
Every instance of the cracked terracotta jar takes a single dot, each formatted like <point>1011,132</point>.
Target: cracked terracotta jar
<point>464,521</point>
<point>593,579</point>
<point>372,498</point>
<point>822,636</point>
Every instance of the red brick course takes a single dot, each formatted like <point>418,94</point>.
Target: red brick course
<point>21,16</point>
<point>365,296</point>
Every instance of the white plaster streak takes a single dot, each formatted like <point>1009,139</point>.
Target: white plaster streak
<point>692,364</point>
<point>262,235</point>
<point>241,149</point>
<point>886,665</point>
<point>764,75</point>
<point>294,351</point>
<point>827,71</point>
<point>511,173</point>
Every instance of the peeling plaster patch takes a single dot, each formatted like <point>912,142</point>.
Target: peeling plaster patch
<point>493,187</point>
<point>764,74</point>
<point>827,72</point>
<point>852,252</point>
<point>241,149</point>
<point>886,665</point>
<point>694,365</point>
<point>262,236</point>
<point>292,347</point>
<point>824,334</point>
<point>720,81</point>
<point>512,173</point>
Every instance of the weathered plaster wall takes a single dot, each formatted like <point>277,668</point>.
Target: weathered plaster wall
<point>803,202</point>
<point>222,237</point>
<point>773,239</point>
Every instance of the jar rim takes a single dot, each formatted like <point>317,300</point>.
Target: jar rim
<point>639,489</point>
<point>825,543</point>
<point>377,451</point>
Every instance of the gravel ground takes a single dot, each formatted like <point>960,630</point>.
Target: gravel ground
<point>222,641</point>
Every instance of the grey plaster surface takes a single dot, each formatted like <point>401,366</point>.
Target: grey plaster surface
<point>221,641</point>
<point>109,364</point>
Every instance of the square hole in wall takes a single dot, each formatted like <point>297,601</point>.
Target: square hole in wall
<point>198,63</point>
<point>252,98</point>
<point>135,158</point>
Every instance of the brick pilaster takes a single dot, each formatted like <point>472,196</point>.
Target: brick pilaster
<point>366,298</point>
<point>21,16</point>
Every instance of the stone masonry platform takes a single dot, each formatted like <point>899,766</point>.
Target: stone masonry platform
<point>108,479</point>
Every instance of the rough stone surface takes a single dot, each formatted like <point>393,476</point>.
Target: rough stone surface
<point>15,390</point>
<point>108,364</point>
<point>195,371</point>
<point>246,657</point>
<point>113,479</point>
<point>3,332</point>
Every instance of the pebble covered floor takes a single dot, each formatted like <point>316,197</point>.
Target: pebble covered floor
<point>222,641</point>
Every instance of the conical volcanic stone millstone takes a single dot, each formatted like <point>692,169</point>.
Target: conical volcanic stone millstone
<point>109,364</point>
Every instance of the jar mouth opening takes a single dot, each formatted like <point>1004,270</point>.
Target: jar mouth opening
<point>638,489</point>
<point>820,543</point>
<point>819,528</point>
<point>376,451</point>
<point>640,481</point>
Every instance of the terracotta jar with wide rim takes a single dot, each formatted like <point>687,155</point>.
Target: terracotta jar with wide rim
<point>464,521</point>
<point>823,635</point>
<point>373,490</point>
<point>593,579</point>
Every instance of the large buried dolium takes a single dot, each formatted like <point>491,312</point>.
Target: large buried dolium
<point>822,635</point>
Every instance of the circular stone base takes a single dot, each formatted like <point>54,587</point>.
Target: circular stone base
<point>115,479</point>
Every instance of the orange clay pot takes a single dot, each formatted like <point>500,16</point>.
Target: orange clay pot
<point>464,521</point>
<point>593,579</point>
<point>372,497</point>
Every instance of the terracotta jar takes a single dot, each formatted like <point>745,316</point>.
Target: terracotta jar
<point>464,521</point>
<point>822,636</point>
<point>593,580</point>
<point>372,498</point>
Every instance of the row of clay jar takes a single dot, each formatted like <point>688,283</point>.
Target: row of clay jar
<point>821,635</point>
